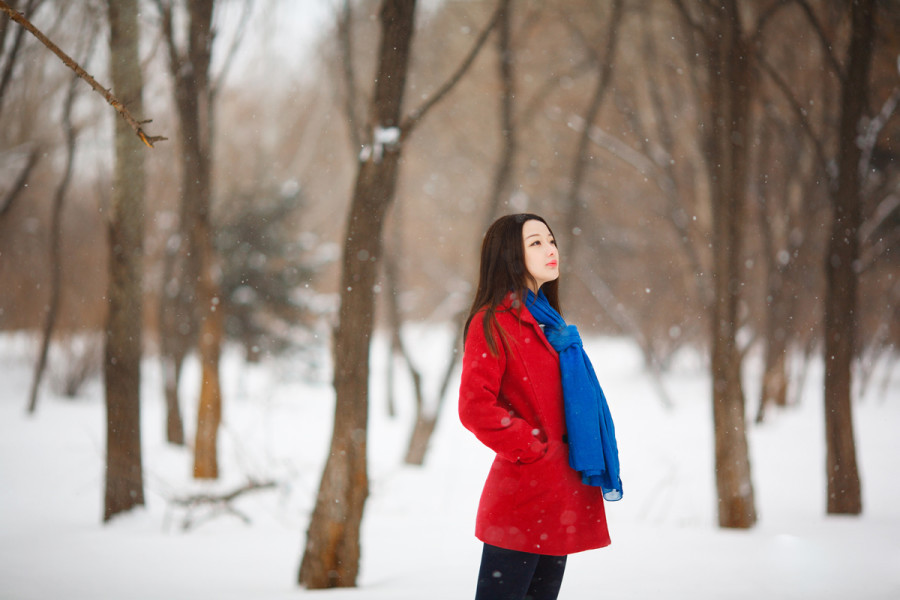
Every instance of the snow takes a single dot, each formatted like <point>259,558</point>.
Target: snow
<point>417,531</point>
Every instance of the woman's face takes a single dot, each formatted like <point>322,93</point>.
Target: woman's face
<point>541,255</point>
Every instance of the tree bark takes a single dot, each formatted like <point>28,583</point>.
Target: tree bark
<point>122,363</point>
<point>331,557</point>
<point>844,493</point>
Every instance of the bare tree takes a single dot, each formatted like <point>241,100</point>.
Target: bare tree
<point>427,413</point>
<point>844,493</point>
<point>56,244</point>
<point>604,65</point>
<point>331,556</point>
<point>122,363</point>
<point>197,297</point>
<point>841,263</point>
<point>725,54</point>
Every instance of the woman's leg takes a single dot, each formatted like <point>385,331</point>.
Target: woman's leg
<point>512,575</point>
<point>547,578</point>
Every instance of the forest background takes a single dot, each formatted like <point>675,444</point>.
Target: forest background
<point>593,114</point>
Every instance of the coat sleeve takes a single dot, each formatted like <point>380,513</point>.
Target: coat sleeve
<point>482,409</point>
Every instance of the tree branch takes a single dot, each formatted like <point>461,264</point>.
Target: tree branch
<point>826,44</point>
<point>785,89</point>
<point>69,62</point>
<point>764,19</point>
<point>413,119</point>
<point>218,502</point>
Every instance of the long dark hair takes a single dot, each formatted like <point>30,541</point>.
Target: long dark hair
<point>503,271</point>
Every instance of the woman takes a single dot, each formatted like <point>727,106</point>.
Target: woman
<point>535,508</point>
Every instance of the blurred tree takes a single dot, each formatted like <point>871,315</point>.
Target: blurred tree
<point>197,295</point>
<point>122,364</point>
<point>842,148</point>
<point>427,410</point>
<point>787,204</point>
<point>56,242</point>
<point>9,55</point>
<point>725,53</point>
<point>841,265</point>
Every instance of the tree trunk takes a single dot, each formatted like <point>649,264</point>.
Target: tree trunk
<point>729,81</point>
<point>776,219</point>
<point>773,390</point>
<point>122,363</point>
<point>331,557</point>
<point>844,494</point>
<point>199,280</point>
<point>175,338</point>
<point>174,422</point>
<point>209,409</point>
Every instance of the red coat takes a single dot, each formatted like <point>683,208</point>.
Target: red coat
<point>532,501</point>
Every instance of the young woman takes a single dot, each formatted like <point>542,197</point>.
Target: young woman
<point>543,498</point>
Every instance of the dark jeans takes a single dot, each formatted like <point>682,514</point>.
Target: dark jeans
<point>512,575</point>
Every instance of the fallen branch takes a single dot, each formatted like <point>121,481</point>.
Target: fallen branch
<point>218,503</point>
<point>69,62</point>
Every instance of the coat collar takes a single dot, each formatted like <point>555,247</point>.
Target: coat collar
<point>515,305</point>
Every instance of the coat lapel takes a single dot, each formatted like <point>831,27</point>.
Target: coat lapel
<point>528,319</point>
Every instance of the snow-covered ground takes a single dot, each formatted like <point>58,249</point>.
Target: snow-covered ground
<point>417,540</point>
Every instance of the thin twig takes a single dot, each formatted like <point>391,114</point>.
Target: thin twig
<point>69,62</point>
<point>250,486</point>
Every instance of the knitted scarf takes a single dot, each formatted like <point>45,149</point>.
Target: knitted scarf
<point>592,436</point>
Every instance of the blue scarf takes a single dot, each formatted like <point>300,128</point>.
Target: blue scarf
<point>592,436</point>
